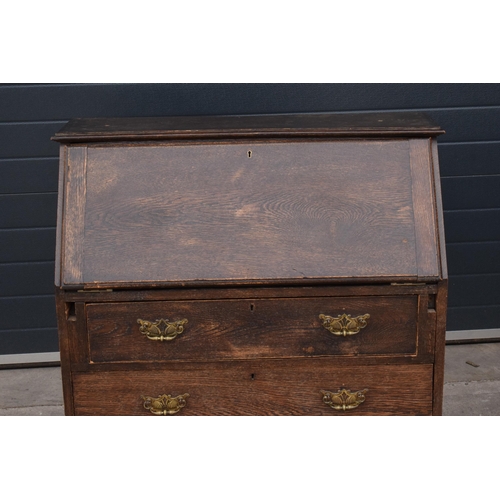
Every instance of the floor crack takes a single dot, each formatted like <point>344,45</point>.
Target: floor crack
<point>30,406</point>
<point>470,381</point>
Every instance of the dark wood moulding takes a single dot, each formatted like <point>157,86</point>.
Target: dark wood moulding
<point>324,125</point>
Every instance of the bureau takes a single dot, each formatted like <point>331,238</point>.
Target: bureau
<point>251,265</point>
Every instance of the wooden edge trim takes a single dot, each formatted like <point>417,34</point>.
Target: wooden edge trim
<point>64,350</point>
<point>74,215</point>
<point>231,283</point>
<point>439,347</point>
<point>81,349</point>
<point>63,151</point>
<point>242,293</point>
<point>423,344</point>
<point>424,216</point>
<point>221,134</point>
<point>439,210</point>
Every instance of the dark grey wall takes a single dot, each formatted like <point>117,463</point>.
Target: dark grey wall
<point>30,114</point>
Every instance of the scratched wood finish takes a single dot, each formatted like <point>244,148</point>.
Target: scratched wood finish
<point>439,350</point>
<point>246,329</point>
<point>75,192</point>
<point>442,294</point>
<point>210,212</point>
<point>60,204</point>
<point>439,356</point>
<point>423,207</point>
<point>213,293</point>
<point>250,227</point>
<point>66,331</point>
<point>255,126</point>
<point>258,388</point>
<point>439,211</point>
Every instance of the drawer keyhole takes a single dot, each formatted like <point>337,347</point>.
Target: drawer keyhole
<point>252,376</point>
<point>252,307</point>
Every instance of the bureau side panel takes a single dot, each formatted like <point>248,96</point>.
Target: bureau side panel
<point>60,210</point>
<point>75,194</point>
<point>440,234</point>
<point>424,209</point>
<point>442,295</point>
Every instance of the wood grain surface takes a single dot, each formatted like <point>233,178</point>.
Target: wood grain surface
<point>254,328</point>
<point>258,388</point>
<point>75,196</point>
<point>423,208</point>
<point>250,229</point>
<point>224,126</point>
<point>293,211</point>
<point>246,292</point>
<point>63,151</point>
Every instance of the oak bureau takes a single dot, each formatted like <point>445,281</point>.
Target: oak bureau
<point>251,265</point>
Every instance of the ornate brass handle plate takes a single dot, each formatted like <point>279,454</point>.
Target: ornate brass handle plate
<point>344,325</point>
<point>344,399</point>
<point>161,329</point>
<point>165,404</point>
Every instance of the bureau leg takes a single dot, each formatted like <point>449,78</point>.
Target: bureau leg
<point>64,324</point>
<point>441,304</point>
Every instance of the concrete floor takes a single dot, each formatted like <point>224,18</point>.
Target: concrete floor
<point>469,389</point>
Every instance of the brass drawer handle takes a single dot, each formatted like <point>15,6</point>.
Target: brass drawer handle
<point>344,399</point>
<point>344,325</point>
<point>161,329</point>
<point>165,404</point>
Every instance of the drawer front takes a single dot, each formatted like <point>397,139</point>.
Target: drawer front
<point>294,387</point>
<point>206,330</point>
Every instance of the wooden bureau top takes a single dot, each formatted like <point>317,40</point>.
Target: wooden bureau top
<point>410,124</point>
<point>336,198</point>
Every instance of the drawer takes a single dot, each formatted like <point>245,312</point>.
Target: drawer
<point>205,330</point>
<point>291,387</point>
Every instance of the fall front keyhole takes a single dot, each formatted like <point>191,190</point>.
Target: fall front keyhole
<point>249,153</point>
